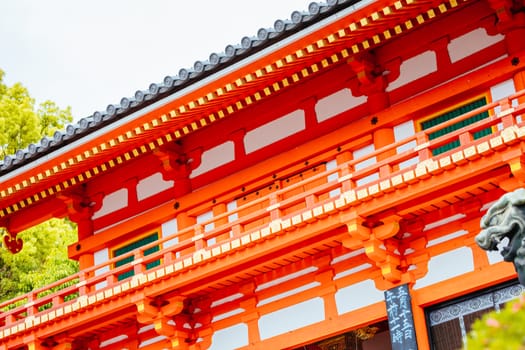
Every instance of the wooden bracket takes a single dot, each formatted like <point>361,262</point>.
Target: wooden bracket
<point>517,168</point>
<point>51,343</point>
<point>179,340</point>
<point>167,313</point>
<point>356,230</point>
<point>177,165</point>
<point>80,208</point>
<point>176,162</point>
<point>388,229</point>
<point>13,243</point>
<point>369,75</point>
<point>386,260</point>
<point>204,342</point>
<point>505,11</point>
<point>163,327</point>
<point>372,78</point>
<point>377,242</point>
<point>150,310</point>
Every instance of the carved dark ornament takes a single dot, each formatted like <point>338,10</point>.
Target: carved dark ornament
<point>12,243</point>
<point>503,229</point>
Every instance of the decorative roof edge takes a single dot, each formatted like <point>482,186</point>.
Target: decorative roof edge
<point>171,84</point>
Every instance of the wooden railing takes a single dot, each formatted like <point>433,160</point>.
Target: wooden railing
<point>264,210</point>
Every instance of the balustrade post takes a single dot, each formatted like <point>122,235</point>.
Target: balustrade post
<point>185,221</point>
<point>198,238</point>
<point>382,138</point>
<point>58,300</point>
<point>10,319</point>
<point>465,138</point>
<point>217,210</point>
<point>138,264</point>
<point>30,306</point>
<point>169,257</point>
<point>83,289</point>
<point>275,212</point>
<point>385,171</point>
<point>311,200</point>
<point>507,119</point>
<point>111,279</point>
<point>345,171</point>
<point>237,230</point>
<point>423,151</point>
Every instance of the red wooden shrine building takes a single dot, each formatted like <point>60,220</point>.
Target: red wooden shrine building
<point>317,186</point>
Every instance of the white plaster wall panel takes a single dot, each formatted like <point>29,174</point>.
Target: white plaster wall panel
<point>470,43</point>
<point>152,185</point>
<point>204,217</point>
<point>113,202</point>
<point>356,296</point>
<point>230,338</point>
<point>331,165</point>
<point>347,256</point>
<point>444,221</point>
<point>291,318</point>
<point>227,299</point>
<point>288,293</point>
<point>446,266</point>
<point>230,207</point>
<point>170,228</point>
<point>274,131</point>
<point>215,157</point>
<point>100,257</point>
<point>414,68</point>
<point>362,152</point>
<point>447,237</point>
<point>113,340</point>
<point>367,179</point>
<point>494,256</point>
<point>336,103</point>
<point>151,341</point>
<point>227,314</point>
<point>285,278</point>
<point>401,132</point>
<point>502,90</point>
<point>352,271</point>
<point>146,328</point>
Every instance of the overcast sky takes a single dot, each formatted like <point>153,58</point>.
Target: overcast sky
<point>88,54</point>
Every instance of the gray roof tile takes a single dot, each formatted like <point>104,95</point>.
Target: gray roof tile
<point>216,61</point>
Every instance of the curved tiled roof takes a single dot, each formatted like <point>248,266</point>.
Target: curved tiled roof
<point>171,84</point>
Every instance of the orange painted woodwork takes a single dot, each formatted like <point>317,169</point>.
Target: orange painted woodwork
<point>269,204</point>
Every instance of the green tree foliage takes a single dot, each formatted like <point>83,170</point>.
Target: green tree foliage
<point>500,330</point>
<point>43,259</point>
<point>21,123</point>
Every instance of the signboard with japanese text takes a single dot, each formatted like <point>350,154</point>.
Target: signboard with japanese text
<point>400,319</point>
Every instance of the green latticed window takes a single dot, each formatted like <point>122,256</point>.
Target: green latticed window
<point>132,246</point>
<point>453,114</point>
